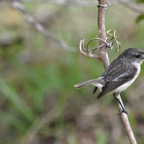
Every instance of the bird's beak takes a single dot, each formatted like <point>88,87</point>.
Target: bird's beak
<point>142,55</point>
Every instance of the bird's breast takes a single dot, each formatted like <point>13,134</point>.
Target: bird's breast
<point>127,84</point>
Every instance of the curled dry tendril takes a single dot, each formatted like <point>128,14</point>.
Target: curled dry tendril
<point>109,42</point>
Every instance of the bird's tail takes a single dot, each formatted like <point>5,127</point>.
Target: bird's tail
<point>95,82</point>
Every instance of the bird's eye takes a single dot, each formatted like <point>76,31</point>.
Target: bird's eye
<point>137,56</point>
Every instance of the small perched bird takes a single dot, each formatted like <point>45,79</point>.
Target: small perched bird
<point>121,73</point>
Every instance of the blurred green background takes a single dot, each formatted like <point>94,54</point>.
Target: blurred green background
<point>38,103</point>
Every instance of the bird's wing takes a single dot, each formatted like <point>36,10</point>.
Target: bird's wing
<point>117,74</point>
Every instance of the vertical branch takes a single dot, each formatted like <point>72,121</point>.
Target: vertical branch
<point>101,21</point>
<point>103,57</point>
<point>126,123</point>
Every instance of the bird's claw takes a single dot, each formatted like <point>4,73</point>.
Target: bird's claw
<point>122,111</point>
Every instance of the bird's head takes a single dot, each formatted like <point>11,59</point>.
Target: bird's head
<point>133,55</point>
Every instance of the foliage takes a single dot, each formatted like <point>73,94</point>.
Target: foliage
<point>140,18</point>
<point>37,76</point>
<point>140,1</point>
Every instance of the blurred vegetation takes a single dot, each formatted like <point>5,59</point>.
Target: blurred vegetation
<point>38,103</point>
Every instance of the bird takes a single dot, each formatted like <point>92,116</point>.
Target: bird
<point>120,74</point>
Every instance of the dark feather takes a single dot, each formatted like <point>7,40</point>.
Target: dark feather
<point>119,72</point>
<point>95,89</point>
<point>110,87</point>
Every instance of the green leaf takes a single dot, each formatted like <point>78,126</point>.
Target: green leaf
<point>140,1</point>
<point>140,18</point>
<point>10,94</point>
<point>101,137</point>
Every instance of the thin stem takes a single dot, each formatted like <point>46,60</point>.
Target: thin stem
<point>103,57</point>
<point>102,34</point>
<point>126,123</point>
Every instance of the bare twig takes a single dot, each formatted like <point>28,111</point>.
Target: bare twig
<point>78,3</point>
<point>18,5</point>
<point>103,56</point>
<point>133,6</point>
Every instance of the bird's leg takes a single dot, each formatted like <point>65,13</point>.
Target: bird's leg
<point>122,106</point>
